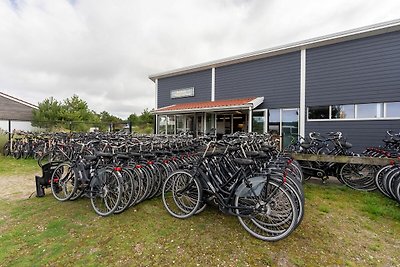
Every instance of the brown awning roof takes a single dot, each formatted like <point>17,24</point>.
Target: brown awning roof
<point>219,105</point>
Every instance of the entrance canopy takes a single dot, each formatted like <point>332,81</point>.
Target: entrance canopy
<point>212,106</point>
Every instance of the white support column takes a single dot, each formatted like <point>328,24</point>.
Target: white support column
<point>156,93</point>
<point>213,84</point>
<point>250,120</point>
<point>302,111</point>
<point>156,129</point>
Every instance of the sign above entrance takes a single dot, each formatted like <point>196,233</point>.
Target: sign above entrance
<point>183,92</point>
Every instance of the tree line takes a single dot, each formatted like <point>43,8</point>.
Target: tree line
<point>74,114</point>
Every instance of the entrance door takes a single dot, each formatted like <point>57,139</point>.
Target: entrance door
<point>200,125</point>
<point>283,123</point>
<point>224,124</point>
<point>190,124</point>
<point>290,126</point>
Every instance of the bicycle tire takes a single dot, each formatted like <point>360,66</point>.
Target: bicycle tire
<point>182,194</point>
<point>105,192</point>
<point>63,182</point>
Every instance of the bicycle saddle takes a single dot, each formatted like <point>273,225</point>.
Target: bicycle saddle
<point>244,162</point>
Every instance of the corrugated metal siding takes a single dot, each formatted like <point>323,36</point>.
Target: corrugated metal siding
<point>276,78</point>
<point>361,134</point>
<point>11,110</point>
<point>360,71</point>
<point>201,81</point>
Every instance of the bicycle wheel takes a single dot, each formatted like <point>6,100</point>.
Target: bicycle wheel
<point>359,176</point>
<point>63,182</point>
<point>379,179</point>
<point>138,186</point>
<point>273,216</point>
<point>127,191</point>
<point>182,194</point>
<point>105,192</point>
<point>6,149</point>
<point>17,153</point>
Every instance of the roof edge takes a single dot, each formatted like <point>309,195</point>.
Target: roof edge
<point>18,100</point>
<point>356,33</point>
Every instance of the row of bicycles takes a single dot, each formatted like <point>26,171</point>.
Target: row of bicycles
<point>242,175</point>
<point>356,176</point>
<point>387,178</point>
<point>24,145</point>
<point>364,177</point>
<point>115,172</point>
<point>245,177</point>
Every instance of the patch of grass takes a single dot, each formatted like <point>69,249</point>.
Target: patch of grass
<point>323,208</point>
<point>3,140</point>
<point>376,205</point>
<point>10,166</point>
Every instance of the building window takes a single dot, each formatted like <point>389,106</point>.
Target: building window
<point>162,123</point>
<point>180,124</point>
<point>367,111</point>
<point>318,113</point>
<point>170,124</point>
<point>258,122</point>
<point>274,121</point>
<point>343,112</point>
<point>393,110</point>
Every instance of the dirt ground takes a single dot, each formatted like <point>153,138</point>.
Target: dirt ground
<point>17,186</point>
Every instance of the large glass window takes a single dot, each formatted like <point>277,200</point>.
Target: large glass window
<point>180,124</point>
<point>210,124</point>
<point>355,111</point>
<point>274,120</point>
<point>367,110</point>
<point>342,111</point>
<point>162,122</point>
<point>258,121</point>
<point>170,124</point>
<point>318,113</point>
<point>393,109</point>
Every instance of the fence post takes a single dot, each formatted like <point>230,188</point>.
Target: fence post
<point>130,127</point>
<point>9,130</point>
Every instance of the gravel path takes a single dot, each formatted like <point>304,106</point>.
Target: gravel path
<point>17,186</point>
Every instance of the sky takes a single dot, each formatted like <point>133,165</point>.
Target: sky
<point>104,51</point>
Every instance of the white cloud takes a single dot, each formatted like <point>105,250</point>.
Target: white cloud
<point>105,50</point>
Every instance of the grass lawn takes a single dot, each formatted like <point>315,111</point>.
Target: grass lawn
<point>3,140</point>
<point>341,227</point>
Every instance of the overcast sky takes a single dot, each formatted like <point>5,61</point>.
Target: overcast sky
<point>104,51</point>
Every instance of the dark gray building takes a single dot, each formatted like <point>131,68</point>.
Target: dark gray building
<point>349,82</point>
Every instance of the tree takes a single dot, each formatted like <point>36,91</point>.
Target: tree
<point>48,113</point>
<point>146,118</point>
<point>76,110</point>
<point>107,119</point>
<point>133,119</point>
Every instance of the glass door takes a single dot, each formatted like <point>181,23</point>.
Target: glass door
<point>284,125</point>
<point>199,125</point>
<point>290,126</point>
<point>190,124</point>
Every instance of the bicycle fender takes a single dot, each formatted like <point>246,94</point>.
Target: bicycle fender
<point>257,184</point>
